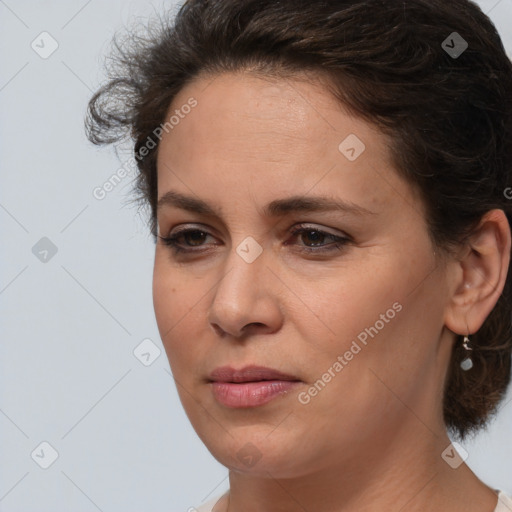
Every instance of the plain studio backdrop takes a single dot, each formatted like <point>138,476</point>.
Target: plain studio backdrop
<point>90,418</point>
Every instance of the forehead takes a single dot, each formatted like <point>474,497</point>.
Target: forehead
<point>289,136</point>
<point>248,115</point>
<point>292,108</point>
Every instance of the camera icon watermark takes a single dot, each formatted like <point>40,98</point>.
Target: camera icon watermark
<point>44,45</point>
<point>44,455</point>
<point>454,455</point>
<point>352,147</point>
<point>249,249</point>
<point>44,250</point>
<point>147,352</point>
<point>249,455</point>
<point>454,45</point>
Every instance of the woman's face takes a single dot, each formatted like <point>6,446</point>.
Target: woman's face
<point>357,321</point>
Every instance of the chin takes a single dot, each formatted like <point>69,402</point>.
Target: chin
<point>258,455</point>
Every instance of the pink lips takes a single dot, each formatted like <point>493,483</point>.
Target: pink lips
<point>249,387</point>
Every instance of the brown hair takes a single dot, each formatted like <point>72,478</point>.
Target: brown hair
<point>449,116</point>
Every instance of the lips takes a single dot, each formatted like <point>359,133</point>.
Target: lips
<point>252,386</point>
<point>249,374</point>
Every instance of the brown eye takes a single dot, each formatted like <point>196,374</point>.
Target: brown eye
<point>182,240</point>
<point>313,240</point>
<point>194,236</point>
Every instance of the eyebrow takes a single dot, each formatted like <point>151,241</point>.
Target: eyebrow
<point>276,208</point>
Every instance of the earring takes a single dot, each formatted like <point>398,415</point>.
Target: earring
<point>467,363</point>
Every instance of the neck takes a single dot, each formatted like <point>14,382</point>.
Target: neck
<point>405,472</point>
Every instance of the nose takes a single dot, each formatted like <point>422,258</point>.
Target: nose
<point>245,299</point>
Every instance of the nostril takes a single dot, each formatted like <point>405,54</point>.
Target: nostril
<point>218,330</point>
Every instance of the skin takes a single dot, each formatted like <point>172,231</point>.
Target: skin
<point>372,439</point>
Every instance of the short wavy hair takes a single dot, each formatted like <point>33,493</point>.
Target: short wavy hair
<point>390,62</point>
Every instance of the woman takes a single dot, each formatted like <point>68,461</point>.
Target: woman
<point>328,191</point>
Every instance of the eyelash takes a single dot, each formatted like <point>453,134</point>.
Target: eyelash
<point>339,241</point>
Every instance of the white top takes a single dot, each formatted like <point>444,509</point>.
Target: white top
<point>504,503</point>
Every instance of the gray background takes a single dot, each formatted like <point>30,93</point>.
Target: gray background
<point>72,320</point>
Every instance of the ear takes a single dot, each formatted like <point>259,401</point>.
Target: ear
<point>478,276</point>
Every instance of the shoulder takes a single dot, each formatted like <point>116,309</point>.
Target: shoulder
<point>504,503</point>
<point>207,506</point>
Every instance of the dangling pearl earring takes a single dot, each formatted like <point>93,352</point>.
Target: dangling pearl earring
<point>467,363</point>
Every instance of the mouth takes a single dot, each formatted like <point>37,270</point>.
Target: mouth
<point>251,373</point>
<point>251,386</point>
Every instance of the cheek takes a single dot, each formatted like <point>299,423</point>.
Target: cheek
<point>369,315</point>
<point>172,288</point>
<point>179,303</point>
<point>353,301</point>
<point>170,297</point>
<point>163,296</point>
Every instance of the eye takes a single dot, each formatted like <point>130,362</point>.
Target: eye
<point>316,237</point>
<point>196,236</point>
<point>185,240</point>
